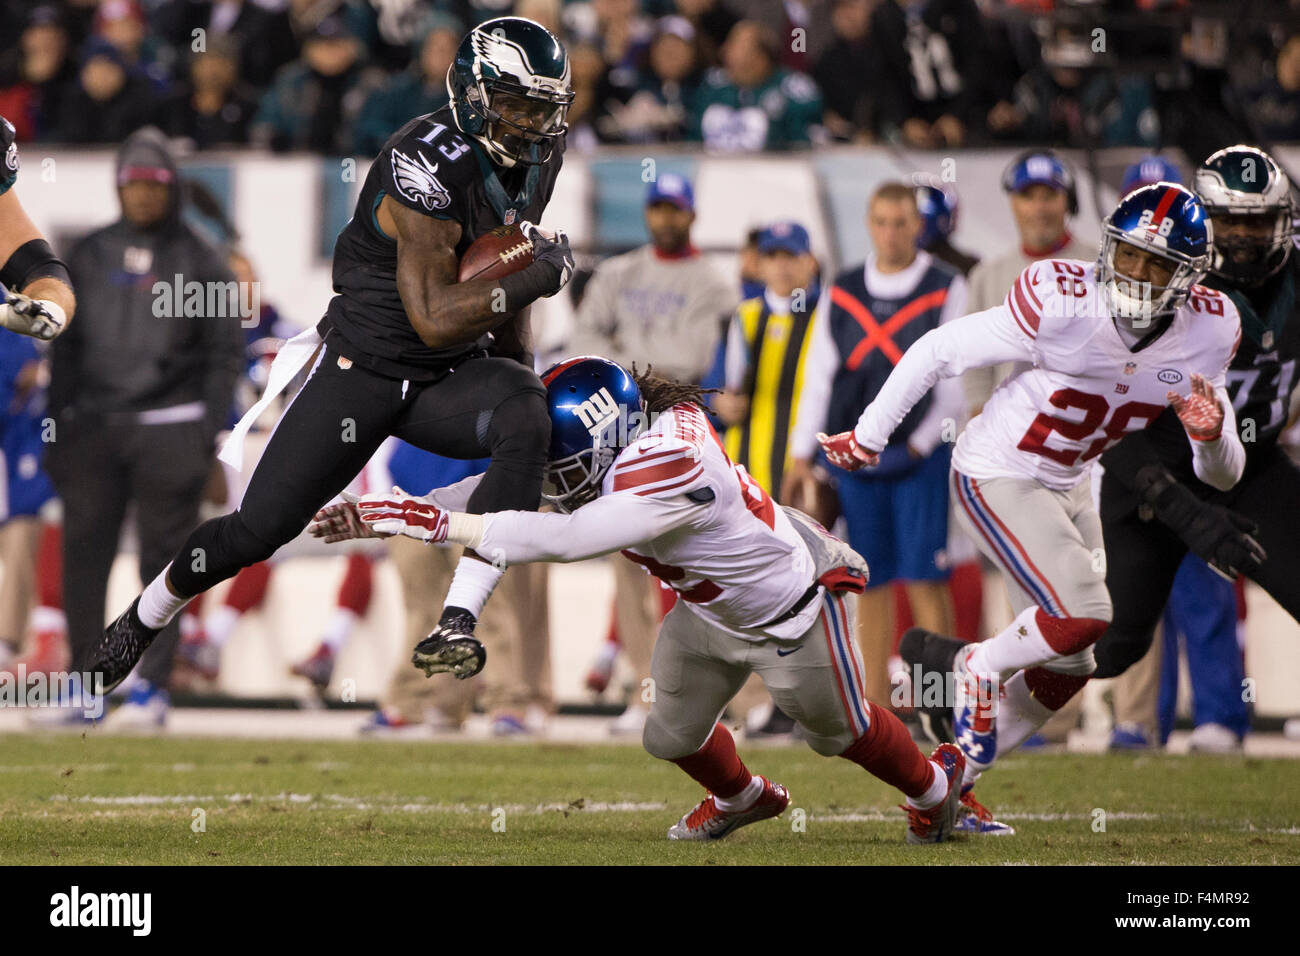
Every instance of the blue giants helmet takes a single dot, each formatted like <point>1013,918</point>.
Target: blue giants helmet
<point>596,412</point>
<point>938,209</point>
<point>1169,222</point>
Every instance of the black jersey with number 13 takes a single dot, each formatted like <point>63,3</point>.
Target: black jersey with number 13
<point>430,166</point>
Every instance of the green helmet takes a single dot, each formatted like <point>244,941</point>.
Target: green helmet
<point>1247,182</point>
<point>517,64</point>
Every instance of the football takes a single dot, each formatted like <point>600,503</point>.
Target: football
<point>500,252</point>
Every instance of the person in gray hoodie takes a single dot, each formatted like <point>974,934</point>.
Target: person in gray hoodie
<point>140,386</point>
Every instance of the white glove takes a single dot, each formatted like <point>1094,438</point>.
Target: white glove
<point>39,318</point>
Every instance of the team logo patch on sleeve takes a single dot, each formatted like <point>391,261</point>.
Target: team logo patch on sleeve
<point>417,181</point>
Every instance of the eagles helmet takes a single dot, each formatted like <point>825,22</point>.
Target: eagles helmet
<point>938,209</point>
<point>516,62</point>
<point>1242,181</point>
<point>596,412</point>
<point>1168,221</point>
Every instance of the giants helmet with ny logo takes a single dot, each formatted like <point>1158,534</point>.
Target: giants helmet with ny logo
<point>596,411</point>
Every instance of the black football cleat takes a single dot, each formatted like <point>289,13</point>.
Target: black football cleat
<point>120,649</point>
<point>931,657</point>
<point>451,647</point>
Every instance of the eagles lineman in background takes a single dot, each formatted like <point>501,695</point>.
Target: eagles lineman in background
<point>404,349</point>
<point>35,290</point>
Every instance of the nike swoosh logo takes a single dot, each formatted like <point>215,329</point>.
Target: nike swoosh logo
<point>781,653</point>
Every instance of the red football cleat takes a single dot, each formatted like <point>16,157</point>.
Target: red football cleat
<point>708,822</point>
<point>936,824</point>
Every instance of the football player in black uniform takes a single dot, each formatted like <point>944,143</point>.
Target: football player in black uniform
<point>35,290</point>
<point>407,350</point>
<point>1153,509</point>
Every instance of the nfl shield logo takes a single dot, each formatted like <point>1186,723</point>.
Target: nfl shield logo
<point>1130,368</point>
<point>510,217</point>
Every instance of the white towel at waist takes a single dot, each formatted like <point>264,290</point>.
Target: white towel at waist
<point>292,359</point>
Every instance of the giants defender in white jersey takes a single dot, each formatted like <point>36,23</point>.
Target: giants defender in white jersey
<point>760,589</point>
<point>1104,347</point>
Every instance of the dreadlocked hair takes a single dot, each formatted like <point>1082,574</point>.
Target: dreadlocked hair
<point>661,394</point>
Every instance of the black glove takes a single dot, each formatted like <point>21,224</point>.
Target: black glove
<point>1223,538</point>
<point>551,268</point>
<point>553,251</point>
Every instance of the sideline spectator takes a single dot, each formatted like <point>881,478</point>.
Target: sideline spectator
<point>138,400</point>
<point>109,100</point>
<point>766,351</point>
<point>421,89</point>
<point>662,100</point>
<point>45,74</point>
<point>315,99</point>
<point>844,73</point>
<point>751,103</point>
<point>264,38</point>
<point>27,490</point>
<point>712,20</point>
<point>212,108</point>
<point>930,55</point>
<point>938,207</point>
<point>122,23</point>
<point>897,512</point>
<point>1275,104</point>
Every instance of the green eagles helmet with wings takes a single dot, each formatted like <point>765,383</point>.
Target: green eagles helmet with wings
<point>515,66</point>
<point>1245,181</point>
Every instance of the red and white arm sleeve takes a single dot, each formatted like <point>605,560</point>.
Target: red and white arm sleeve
<point>973,341</point>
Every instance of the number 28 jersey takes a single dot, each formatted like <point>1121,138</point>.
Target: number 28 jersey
<point>1080,389</point>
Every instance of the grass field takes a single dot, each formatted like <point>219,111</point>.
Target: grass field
<point>112,800</point>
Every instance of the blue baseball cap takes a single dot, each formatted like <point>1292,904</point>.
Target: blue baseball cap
<point>1037,169</point>
<point>669,187</point>
<point>1149,170</point>
<point>784,237</point>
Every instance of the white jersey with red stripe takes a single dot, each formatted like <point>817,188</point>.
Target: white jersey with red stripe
<point>674,502</point>
<point>1080,388</point>
<point>741,563</point>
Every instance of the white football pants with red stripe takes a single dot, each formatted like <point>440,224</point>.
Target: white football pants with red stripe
<point>816,679</point>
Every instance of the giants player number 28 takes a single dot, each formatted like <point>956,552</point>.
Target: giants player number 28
<point>1096,407</point>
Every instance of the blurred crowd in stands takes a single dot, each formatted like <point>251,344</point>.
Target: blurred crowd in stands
<point>338,76</point>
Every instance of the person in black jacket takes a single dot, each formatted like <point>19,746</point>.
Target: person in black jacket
<point>931,56</point>
<point>140,386</point>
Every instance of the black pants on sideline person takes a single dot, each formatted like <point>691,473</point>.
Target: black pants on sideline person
<point>332,427</point>
<point>100,467</point>
<point>1142,557</point>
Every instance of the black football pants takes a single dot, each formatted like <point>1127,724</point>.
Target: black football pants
<point>1142,557</point>
<point>102,467</point>
<point>485,407</point>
